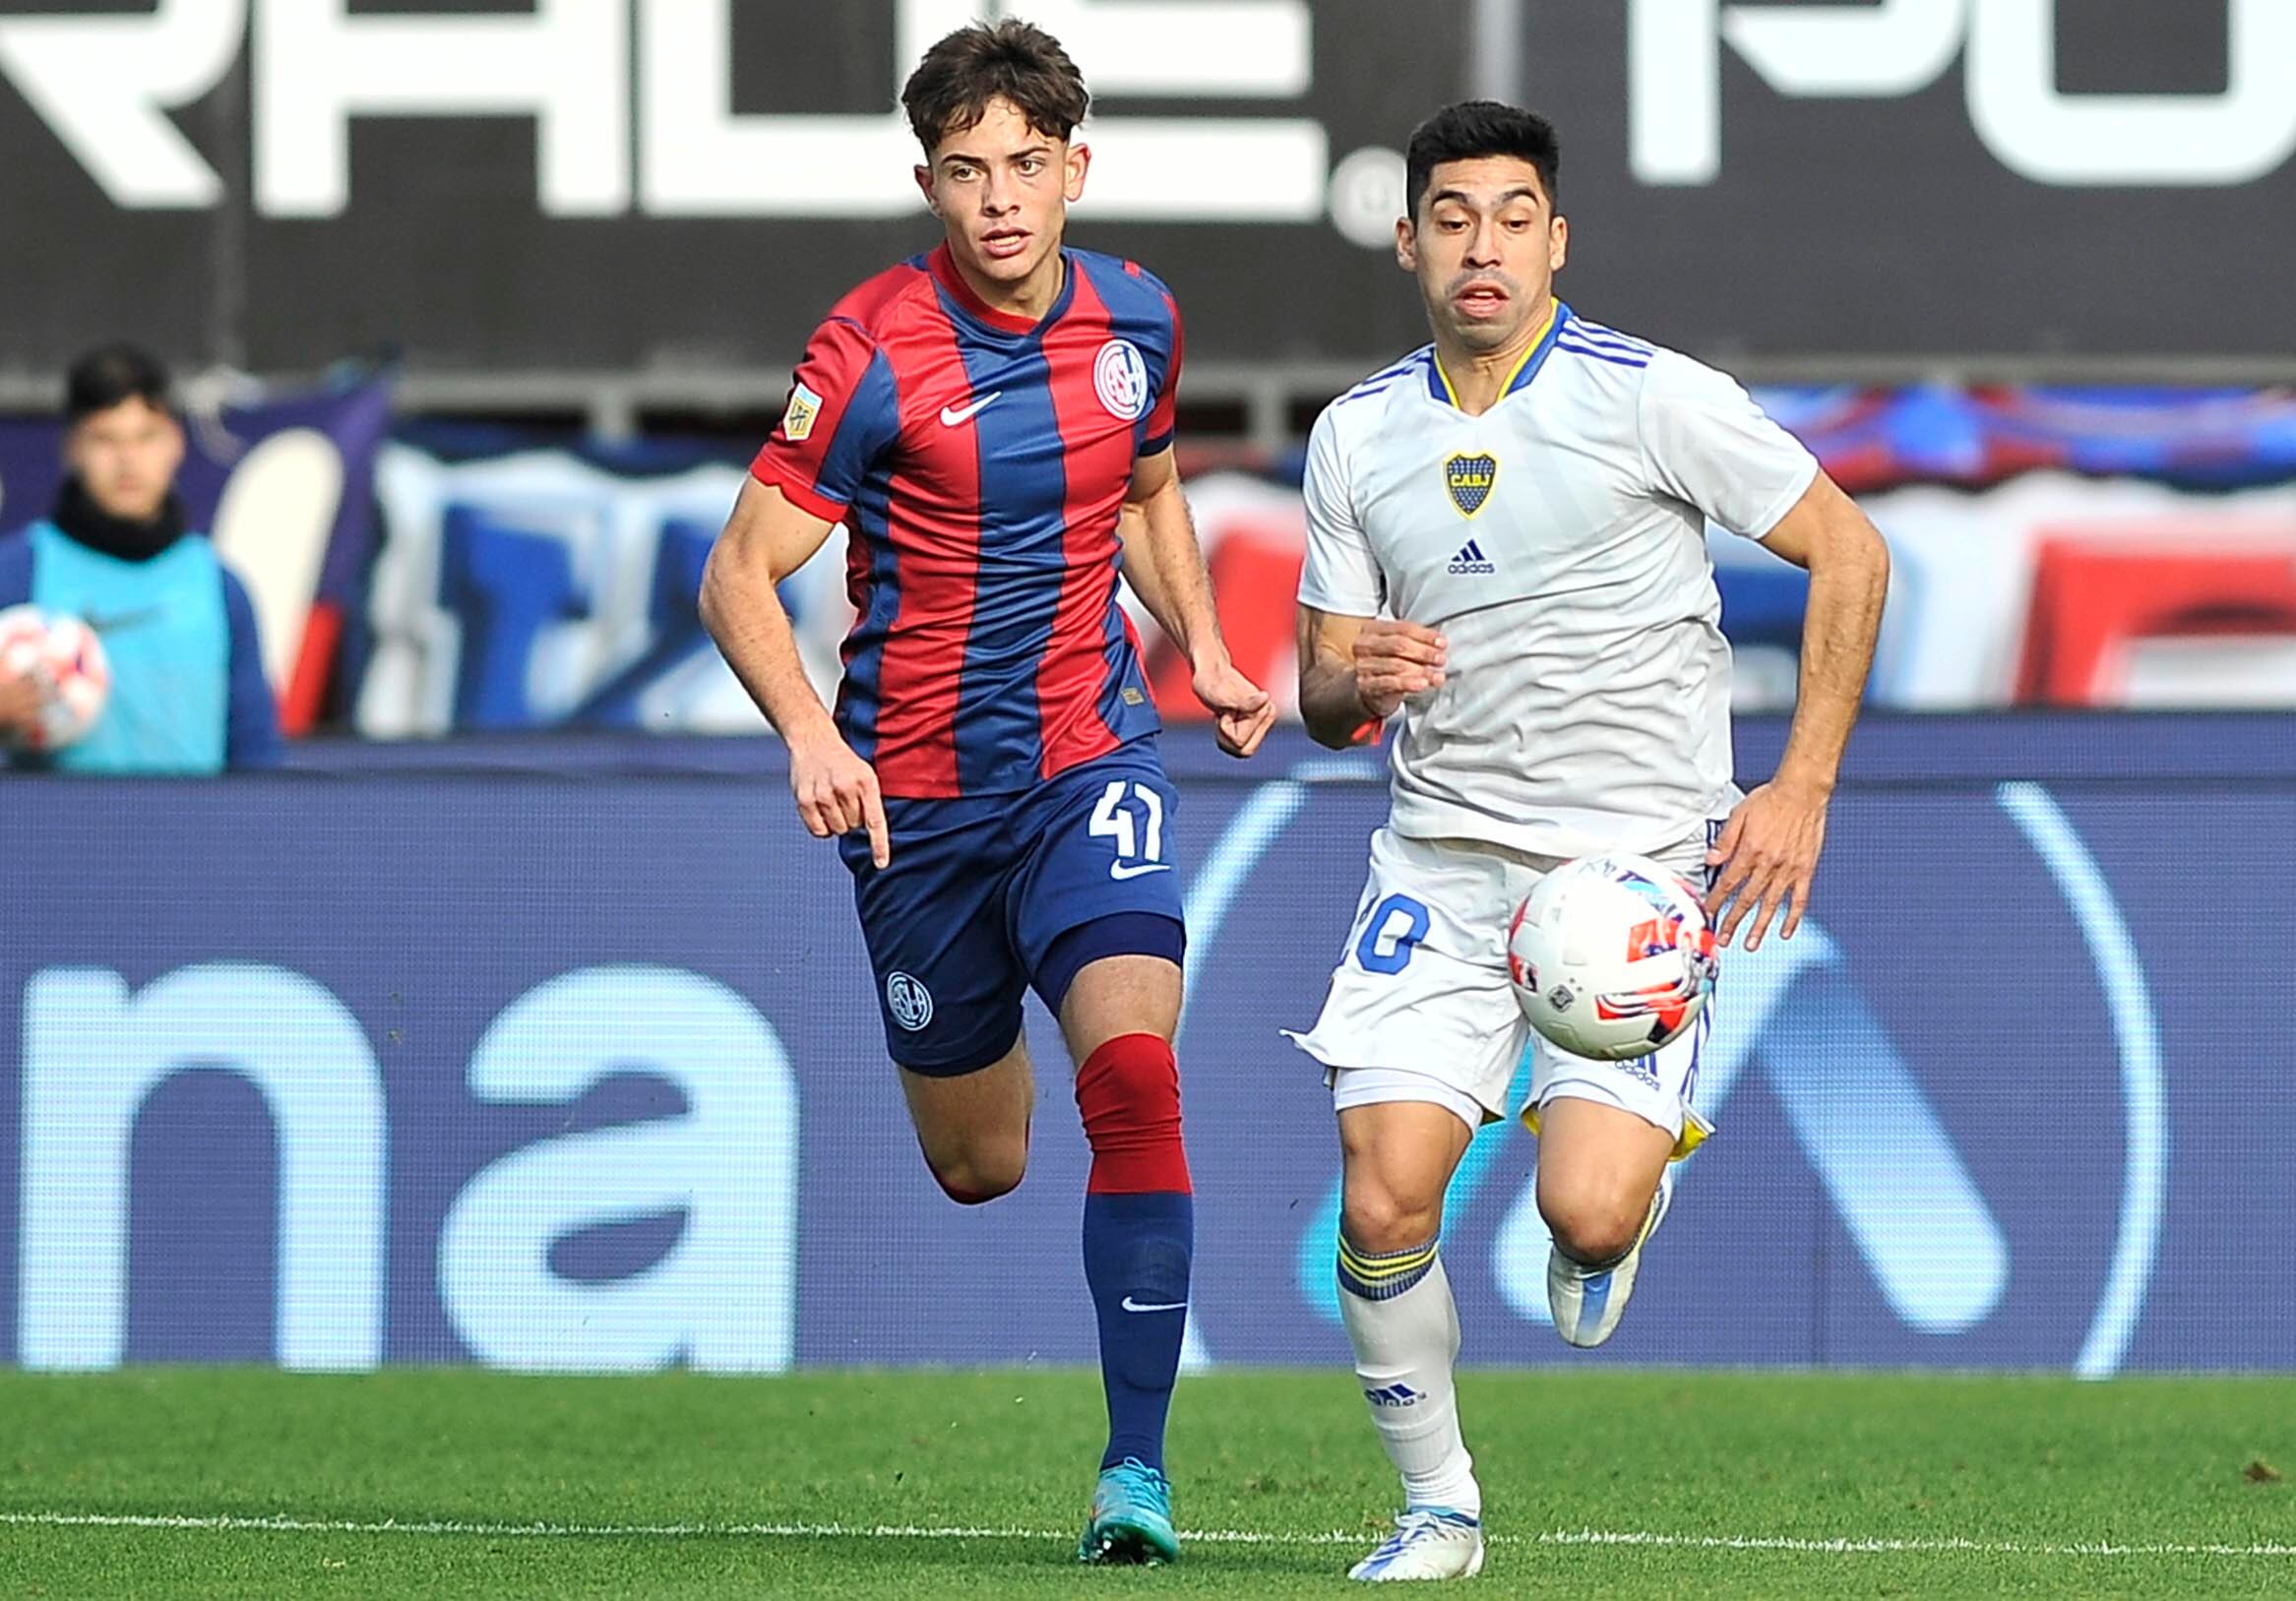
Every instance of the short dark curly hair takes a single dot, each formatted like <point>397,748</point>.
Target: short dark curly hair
<point>1011,60</point>
<point>1472,128</point>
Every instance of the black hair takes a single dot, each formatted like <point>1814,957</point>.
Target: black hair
<point>113,375</point>
<point>981,62</point>
<point>1463,131</point>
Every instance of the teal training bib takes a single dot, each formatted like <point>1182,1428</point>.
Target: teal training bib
<point>168,640</point>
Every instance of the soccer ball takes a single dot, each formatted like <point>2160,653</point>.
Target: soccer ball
<point>63,655</point>
<point>1612,956</point>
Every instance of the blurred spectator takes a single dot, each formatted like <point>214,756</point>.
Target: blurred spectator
<point>188,692</point>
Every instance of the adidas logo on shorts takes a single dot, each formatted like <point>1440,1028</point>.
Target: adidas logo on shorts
<point>1470,559</point>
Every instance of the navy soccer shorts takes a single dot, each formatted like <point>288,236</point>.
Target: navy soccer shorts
<point>981,889</point>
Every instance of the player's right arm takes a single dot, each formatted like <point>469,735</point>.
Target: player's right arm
<point>844,416</point>
<point>1355,666</point>
<point>1355,672</point>
<point>765,539</point>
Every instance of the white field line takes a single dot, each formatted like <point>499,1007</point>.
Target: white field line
<point>1846,1545</point>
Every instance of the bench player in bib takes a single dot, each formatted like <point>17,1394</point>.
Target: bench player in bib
<point>986,420</point>
<point>1507,544</point>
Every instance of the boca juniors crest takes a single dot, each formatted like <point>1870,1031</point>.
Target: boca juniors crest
<point>1470,479</point>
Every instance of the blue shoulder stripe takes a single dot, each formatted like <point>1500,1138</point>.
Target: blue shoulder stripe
<point>1121,281</point>
<point>1616,334</point>
<point>1616,359</point>
<point>1607,352</point>
<point>1599,335</point>
<point>1398,369</point>
<point>1364,392</point>
<point>1385,378</point>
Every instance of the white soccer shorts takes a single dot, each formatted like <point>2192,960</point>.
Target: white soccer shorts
<point>1421,1009</point>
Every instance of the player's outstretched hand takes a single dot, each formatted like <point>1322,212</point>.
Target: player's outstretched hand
<point>1395,660</point>
<point>1241,710</point>
<point>1766,858</point>
<point>837,793</point>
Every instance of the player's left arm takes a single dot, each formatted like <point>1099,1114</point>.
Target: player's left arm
<point>251,718</point>
<point>1164,565</point>
<point>1768,850</point>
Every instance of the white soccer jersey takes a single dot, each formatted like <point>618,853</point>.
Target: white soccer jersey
<point>1558,542</point>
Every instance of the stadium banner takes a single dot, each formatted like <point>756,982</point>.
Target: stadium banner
<point>285,485</point>
<point>278,183</point>
<point>587,1076</point>
<point>544,589</point>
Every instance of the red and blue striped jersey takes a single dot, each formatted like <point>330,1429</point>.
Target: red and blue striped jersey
<point>978,462</point>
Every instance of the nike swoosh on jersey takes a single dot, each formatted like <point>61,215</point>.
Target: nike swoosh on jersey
<point>1134,870</point>
<point>1130,1305</point>
<point>952,415</point>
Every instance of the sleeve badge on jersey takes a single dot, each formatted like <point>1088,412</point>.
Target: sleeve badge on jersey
<point>797,421</point>
<point>1120,377</point>
<point>1470,479</point>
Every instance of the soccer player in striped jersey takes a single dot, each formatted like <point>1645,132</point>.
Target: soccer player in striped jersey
<point>992,422</point>
<point>1507,545</point>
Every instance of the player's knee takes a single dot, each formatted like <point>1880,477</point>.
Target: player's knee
<point>1378,1220</point>
<point>1127,1088</point>
<point>1590,1226</point>
<point>972,1178</point>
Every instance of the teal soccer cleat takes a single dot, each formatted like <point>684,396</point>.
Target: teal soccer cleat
<point>1131,1517</point>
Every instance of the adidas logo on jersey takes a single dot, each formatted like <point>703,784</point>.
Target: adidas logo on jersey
<point>1470,559</point>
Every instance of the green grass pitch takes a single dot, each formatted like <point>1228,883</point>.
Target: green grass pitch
<point>913,1485</point>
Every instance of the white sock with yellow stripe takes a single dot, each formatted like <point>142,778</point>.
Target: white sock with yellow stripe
<point>1405,1327</point>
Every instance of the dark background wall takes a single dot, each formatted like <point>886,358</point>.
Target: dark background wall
<point>1881,231</point>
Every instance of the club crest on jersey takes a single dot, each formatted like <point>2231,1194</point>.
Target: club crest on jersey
<point>910,1002</point>
<point>797,421</point>
<point>1470,479</point>
<point>1120,377</point>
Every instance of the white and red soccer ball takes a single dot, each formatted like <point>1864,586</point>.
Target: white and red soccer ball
<point>1612,956</point>
<point>64,657</point>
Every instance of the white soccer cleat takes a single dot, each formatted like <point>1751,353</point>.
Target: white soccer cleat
<point>1429,1542</point>
<point>1588,1302</point>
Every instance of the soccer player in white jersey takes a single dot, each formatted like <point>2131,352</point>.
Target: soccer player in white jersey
<point>1507,545</point>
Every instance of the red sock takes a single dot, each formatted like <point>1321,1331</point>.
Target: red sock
<point>1128,1092</point>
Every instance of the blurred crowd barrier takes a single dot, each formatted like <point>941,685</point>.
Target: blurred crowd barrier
<point>285,485</point>
<point>2054,548</point>
<point>554,1074</point>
